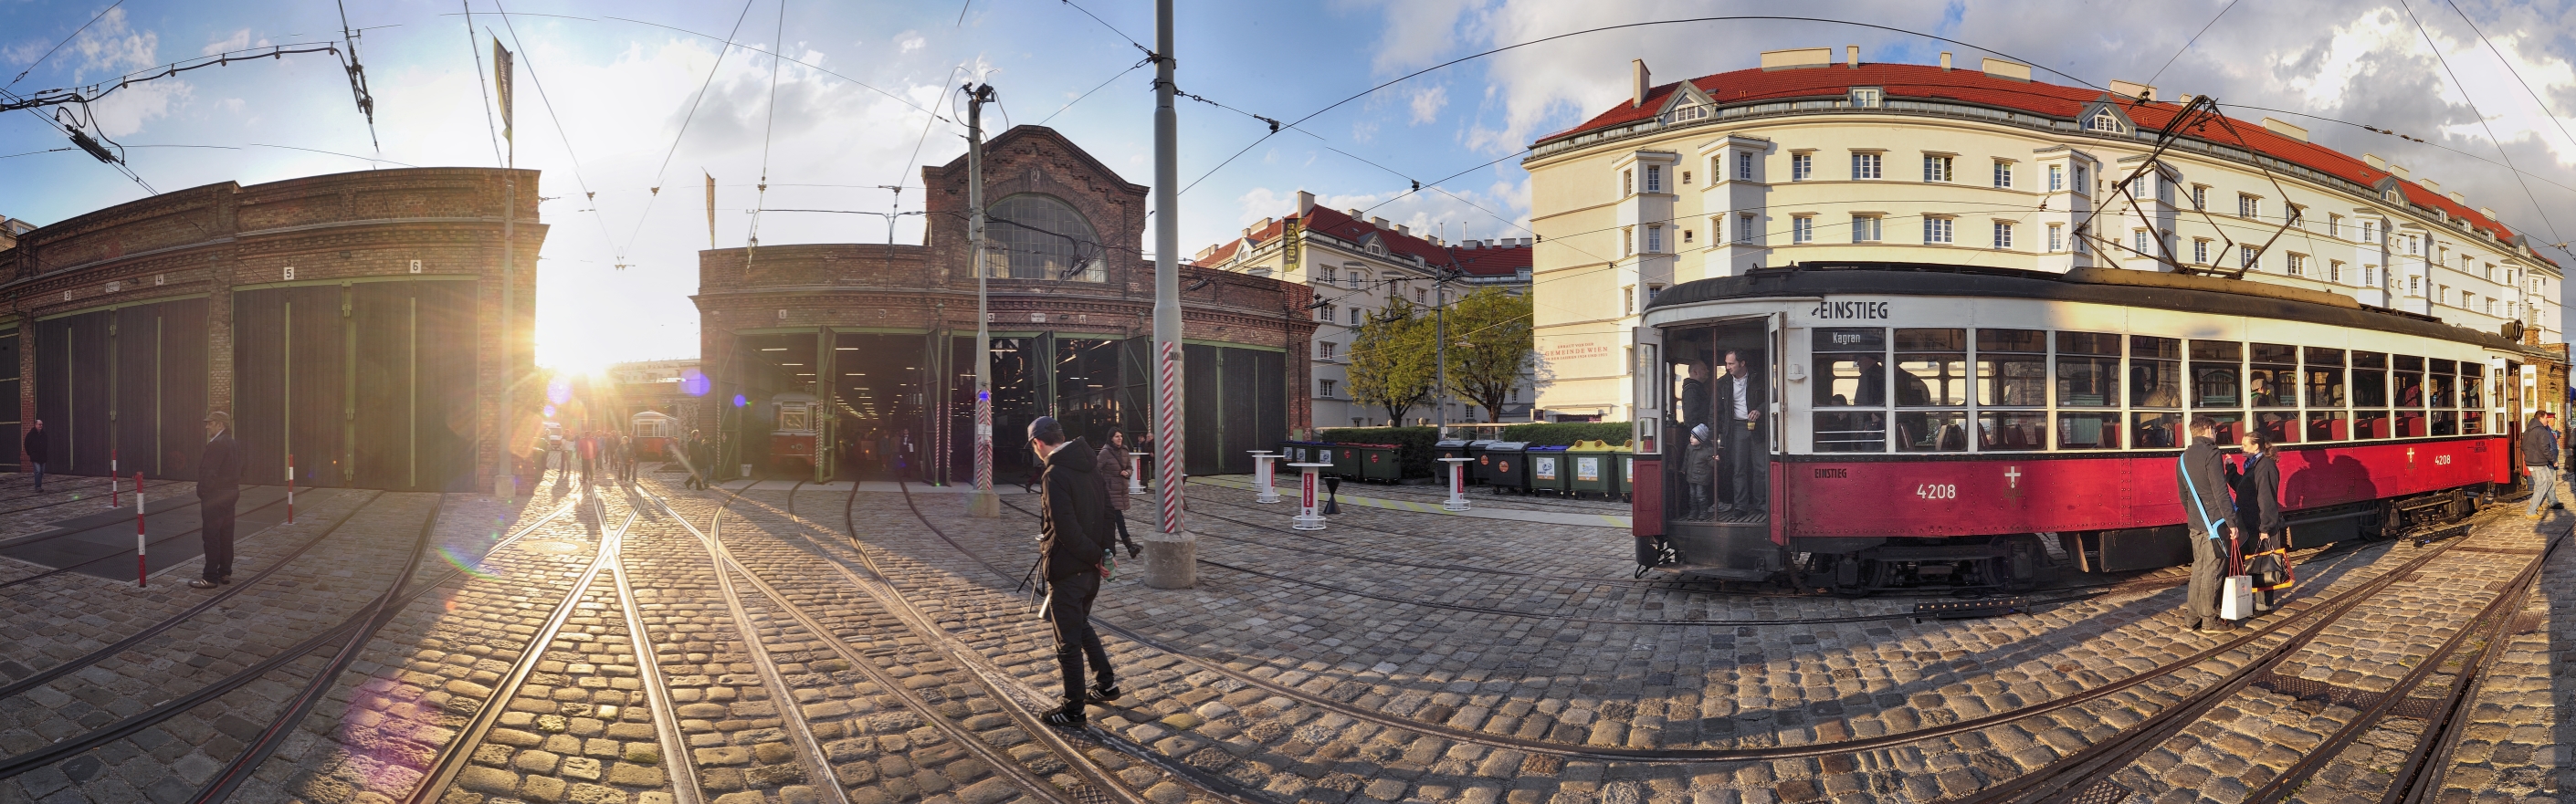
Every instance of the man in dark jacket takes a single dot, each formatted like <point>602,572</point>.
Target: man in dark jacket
<point>2540,455</point>
<point>35,447</point>
<point>218,487</point>
<point>2202,480</point>
<point>1073,527</point>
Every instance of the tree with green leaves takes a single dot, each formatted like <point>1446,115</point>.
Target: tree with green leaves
<point>1489,345</point>
<point>1391,360</point>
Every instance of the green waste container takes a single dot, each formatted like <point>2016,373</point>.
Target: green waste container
<point>1344,458</point>
<point>1377,463</point>
<point>1505,465</point>
<point>1549,470</point>
<point>1593,469</point>
<point>1627,457</point>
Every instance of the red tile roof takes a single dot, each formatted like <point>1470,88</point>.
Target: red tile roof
<point>1495,261</point>
<point>1927,82</point>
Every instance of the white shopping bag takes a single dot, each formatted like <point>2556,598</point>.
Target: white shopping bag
<point>2236,599</point>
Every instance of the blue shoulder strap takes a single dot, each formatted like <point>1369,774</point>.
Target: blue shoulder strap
<point>2207,525</point>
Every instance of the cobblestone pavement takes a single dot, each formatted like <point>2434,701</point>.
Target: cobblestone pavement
<point>1395,657</point>
<point>23,512</point>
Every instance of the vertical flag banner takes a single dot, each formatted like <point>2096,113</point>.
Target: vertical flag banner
<point>501,76</point>
<point>711,209</point>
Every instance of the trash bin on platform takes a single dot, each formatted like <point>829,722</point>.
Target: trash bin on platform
<point>1345,460</point>
<point>1549,470</point>
<point>1377,463</point>
<point>1505,465</point>
<point>1299,452</point>
<point>1591,470</point>
<point>1449,448</point>
<point>1627,458</point>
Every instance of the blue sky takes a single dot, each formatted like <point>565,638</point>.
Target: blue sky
<point>620,84</point>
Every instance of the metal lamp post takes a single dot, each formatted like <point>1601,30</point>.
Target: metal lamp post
<point>982,502</point>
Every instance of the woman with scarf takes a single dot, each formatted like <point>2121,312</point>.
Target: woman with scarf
<point>2257,481</point>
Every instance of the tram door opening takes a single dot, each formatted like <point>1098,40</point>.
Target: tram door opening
<point>1717,443</point>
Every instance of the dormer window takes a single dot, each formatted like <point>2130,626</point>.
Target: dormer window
<point>1377,248</point>
<point>2103,121</point>
<point>1867,97</point>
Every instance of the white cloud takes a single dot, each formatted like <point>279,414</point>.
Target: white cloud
<point>240,39</point>
<point>111,48</point>
<point>909,42</point>
<point>1427,104</point>
<point>1458,214</point>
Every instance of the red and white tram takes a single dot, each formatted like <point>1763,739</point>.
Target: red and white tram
<point>1929,426</point>
<point>793,442</point>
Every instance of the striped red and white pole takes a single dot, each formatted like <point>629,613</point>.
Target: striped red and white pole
<point>1167,438</point>
<point>290,488</point>
<point>984,440</point>
<point>111,478</point>
<point>142,567</point>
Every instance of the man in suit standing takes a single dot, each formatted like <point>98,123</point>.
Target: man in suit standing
<point>1747,449</point>
<point>218,487</point>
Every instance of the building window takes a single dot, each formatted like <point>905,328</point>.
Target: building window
<point>1654,240</point>
<point>1331,275</point>
<point>1686,177</point>
<point>1353,280</point>
<point>1653,291</point>
<point>1627,300</point>
<point>2200,252</point>
<point>1421,295</point>
<point>1802,229</point>
<point>2056,237</point>
<point>2103,120</point>
<point>2080,173</point>
<point>1327,316</point>
<point>1686,237</point>
<point>1327,386</point>
<point>1865,228</point>
<point>1047,239</point>
<point>1801,166</point>
<point>2141,246</point>
<point>1627,183</point>
<point>2298,264</point>
<point>2248,206</point>
<point>2334,225</point>
<point>1654,178</point>
<point>1867,97</point>
<point>2297,215</point>
<point>1744,165</point>
<point>1865,166</point>
<point>1937,230</point>
<point>2370,232</point>
<point>2245,256</point>
<point>2003,235</point>
<point>2003,173</point>
<point>1627,240</point>
<point>1936,168</point>
<point>2056,178</point>
<point>1327,349</point>
<point>2200,196</point>
<point>1355,316</point>
<point>1744,231</point>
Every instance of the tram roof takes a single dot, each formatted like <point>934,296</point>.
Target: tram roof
<point>2111,286</point>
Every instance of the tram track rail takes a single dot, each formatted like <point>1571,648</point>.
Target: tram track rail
<point>1094,784</point>
<point>2086,774</point>
<point>45,537</point>
<point>164,710</point>
<point>2244,641</point>
<point>656,688</point>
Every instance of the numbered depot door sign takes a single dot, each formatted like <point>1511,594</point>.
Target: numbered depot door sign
<point>1587,469</point>
<point>1544,467</point>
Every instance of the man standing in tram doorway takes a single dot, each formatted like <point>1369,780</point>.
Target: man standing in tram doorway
<point>2202,479</point>
<point>2540,455</point>
<point>1073,542</point>
<point>1747,450</point>
<point>218,487</point>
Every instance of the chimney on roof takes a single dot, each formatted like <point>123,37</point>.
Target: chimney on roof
<point>1354,212</point>
<point>2489,212</point>
<point>2430,184</point>
<point>1378,222</point>
<point>2133,89</point>
<point>1305,203</point>
<point>1945,61</point>
<point>1404,230</point>
<point>2459,199</point>
<point>1525,242</point>
<point>2400,171</point>
<point>2373,160</point>
<point>2010,70</point>
<point>2286,129</point>
<point>1851,56</point>
<point>1640,81</point>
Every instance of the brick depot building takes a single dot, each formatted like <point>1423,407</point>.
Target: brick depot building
<point>348,320</point>
<point>883,335</point>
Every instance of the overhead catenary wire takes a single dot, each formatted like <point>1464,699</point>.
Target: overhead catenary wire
<point>480,84</point>
<point>768,126</point>
<point>2195,38</point>
<point>560,133</point>
<point>2445,61</point>
<point>694,103</point>
<point>67,39</point>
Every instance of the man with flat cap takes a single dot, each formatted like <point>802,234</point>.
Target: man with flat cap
<point>1073,542</point>
<point>218,487</point>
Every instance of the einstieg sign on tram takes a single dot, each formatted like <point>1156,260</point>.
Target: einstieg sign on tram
<point>1905,426</point>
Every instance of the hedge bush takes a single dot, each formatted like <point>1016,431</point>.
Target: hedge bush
<point>1565,434</point>
<point>1415,444</point>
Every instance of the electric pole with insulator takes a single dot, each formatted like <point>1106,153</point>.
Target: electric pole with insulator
<point>1171,554</point>
<point>983,502</point>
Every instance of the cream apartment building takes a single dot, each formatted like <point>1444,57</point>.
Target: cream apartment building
<point>1809,159</point>
<point>1357,265</point>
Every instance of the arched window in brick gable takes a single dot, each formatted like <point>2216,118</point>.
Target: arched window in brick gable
<point>1046,239</point>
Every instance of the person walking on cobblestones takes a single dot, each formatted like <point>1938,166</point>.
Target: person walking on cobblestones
<point>218,487</point>
<point>1113,483</point>
<point>35,447</point>
<point>1072,543</point>
<point>2202,479</point>
<point>2540,455</point>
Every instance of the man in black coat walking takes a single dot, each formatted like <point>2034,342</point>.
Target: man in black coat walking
<point>1073,527</point>
<point>2201,478</point>
<point>218,487</point>
<point>36,448</point>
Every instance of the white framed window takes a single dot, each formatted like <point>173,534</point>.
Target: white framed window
<point>1627,300</point>
<point>1324,349</point>
<point>2200,252</point>
<point>1936,168</point>
<point>1654,178</point>
<point>2103,120</point>
<point>2246,256</point>
<point>2297,214</point>
<point>2248,206</point>
<point>2200,196</point>
<point>1744,165</point>
<point>1627,183</point>
<point>1654,240</point>
<point>2056,178</point>
<point>1325,388</point>
<point>2003,173</point>
<point>1421,295</point>
<point>1867,97</point>
<point>2370,232</point>
<point>1653,291</point>
<point>1325,313</point>
<point>1686,237</point>
<point>1802,166</point>
<point>2142,246</point>
<point>2334,271</point>
<point>1865,228</point>
<point>1802,229</point>
<point>1744,229</point>
<point>2080,173</point>
<point>1938,230</point>
<point>2003,235</point>
<point>2297,264</point>
<point>2334,225</point>
<point>1865,165</point>
<point>1332,275</point>
<point>1627,240</point>
<point>2056,237</point>
<point>2370,275</point>
<point>1355,316</point>
<point>1352,280</point>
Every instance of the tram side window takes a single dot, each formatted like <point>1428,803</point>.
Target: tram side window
<point>2155,373</point>
<point>2473,383</point>
<point>2327,419</point>
<point>2370,395</point>
<point>2214,374</point>
<point>2158,430</point>
<point>2012,372</point>
<point>2440,376</point>
<point>1852,364</point>
<point>2088,376</point>
<point>2407,384</point>
<point>1932,371</point>
<point>2272,381</point>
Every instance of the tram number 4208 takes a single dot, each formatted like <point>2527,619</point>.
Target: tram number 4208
<point>1936,491</point>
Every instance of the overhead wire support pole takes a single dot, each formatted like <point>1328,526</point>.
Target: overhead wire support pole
<point>505,485</point>
<point>1171,553</point>
<point>983,502</point>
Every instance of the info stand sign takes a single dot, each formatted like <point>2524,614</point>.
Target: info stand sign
<point>1262,478</point>
<point>1457,484</point>
<point>1310,508</point>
